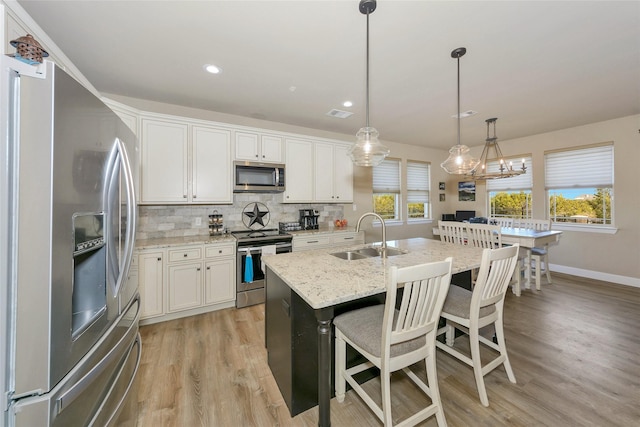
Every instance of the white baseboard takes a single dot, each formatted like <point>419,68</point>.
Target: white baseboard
<point>597,275</point>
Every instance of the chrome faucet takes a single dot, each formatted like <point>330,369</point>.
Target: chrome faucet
<point>384,231</point>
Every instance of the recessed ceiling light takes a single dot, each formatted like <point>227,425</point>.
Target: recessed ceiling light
<point>347,104</point>
<point>213,69</point>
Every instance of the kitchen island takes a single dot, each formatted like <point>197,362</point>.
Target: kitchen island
<point>306,290</point>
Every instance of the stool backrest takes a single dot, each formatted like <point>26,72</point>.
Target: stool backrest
<point>484,236</point>
<point>424,289</point>
<point>452,232</point>
<point>494,276</point>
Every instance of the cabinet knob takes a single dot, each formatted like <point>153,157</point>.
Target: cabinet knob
<point>185,255</point>
<point>256,156</point>
<point>220,251</point>
<point>159,259</point>
<point>208,268</point>
<point>198,269</point>
<point>184,196</point>
<point>194,196</point>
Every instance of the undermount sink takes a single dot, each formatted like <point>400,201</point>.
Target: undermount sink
<point>349,255</point>
<point>369,252</point>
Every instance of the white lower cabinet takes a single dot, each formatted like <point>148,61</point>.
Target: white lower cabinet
<point>151,283</point>
<point>195,279</point>
<point>185,286</point>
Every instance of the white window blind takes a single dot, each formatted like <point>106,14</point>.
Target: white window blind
<point>581,168</point>
<point>417,182</point>
<point>518,182</point>
<point>386,177</point>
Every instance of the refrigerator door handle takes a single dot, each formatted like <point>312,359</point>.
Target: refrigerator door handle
<point>129,245</point>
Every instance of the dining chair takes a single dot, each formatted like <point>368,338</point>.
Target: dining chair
<point>501,221</point>
<point>393,339</point>
<point>538,256</point>
<point>452,232</point>
<point>484,235</point>
<point>469,311</point>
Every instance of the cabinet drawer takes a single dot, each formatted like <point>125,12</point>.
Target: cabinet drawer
<point>185,254</point>
<point>311,242</point>
<point>219,251</point>
<point>347,238</point>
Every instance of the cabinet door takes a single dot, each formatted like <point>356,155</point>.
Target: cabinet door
<point>211,165</point>
<point>299,171</point>
<point>247,146</point>
<point>150,282</point>
<point>342,175</point>
<point>219,282</point>
<point>185,286</point>
<point>324,173</point>
<point>271,148</point>
<point>164,162</point>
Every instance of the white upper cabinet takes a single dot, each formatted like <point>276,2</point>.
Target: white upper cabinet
<point>333,174</point>
<point>185,163</point>
<point>258,147</point>
<point>299,171</point>
<point>211,165</point>
<point>164,168</point>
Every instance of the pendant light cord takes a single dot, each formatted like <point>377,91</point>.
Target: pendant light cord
<point>367,77</point>
<point>458,100</point>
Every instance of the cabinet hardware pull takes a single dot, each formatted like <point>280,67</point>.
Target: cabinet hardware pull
<point>198,269</point>
<point>312,241</point>
<point>184,196</point>
<point>220,251</point>
<point>208,268</point>
<point>159,259</point>
<point>194,196</point>
<point>185,255</point>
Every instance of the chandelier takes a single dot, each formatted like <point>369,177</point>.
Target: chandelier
<point>368,150</point>
<point>491,151</point>
<point>460,161</point>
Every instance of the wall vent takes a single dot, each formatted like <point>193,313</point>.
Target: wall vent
<point>339,114</point>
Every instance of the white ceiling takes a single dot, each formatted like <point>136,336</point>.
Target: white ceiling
<point>538,66</point>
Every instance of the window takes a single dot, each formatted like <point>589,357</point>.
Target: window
<point>386,189</point>
<point>510,197</point>
<point>579,184</point>
<point>418,206</point>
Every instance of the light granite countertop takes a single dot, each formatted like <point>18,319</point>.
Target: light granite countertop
<point>166,242</point>
<point>323,280</point>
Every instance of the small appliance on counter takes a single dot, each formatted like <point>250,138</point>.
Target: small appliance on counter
<point>309,219</point>
<point>216,224</point>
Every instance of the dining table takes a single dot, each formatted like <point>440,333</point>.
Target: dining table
<point>527,239</point>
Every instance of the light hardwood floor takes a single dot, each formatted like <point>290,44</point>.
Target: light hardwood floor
<point>574,348</point>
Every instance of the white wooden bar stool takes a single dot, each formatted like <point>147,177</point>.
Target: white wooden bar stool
<point>392,339</point>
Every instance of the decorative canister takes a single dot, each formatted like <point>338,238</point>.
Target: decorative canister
<point>28,49</point>
<point>216,224</point>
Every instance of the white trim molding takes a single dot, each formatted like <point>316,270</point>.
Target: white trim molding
<point>597,275</point>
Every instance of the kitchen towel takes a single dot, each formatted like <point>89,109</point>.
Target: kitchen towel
<point>248,268</point>
<point>267,250</point>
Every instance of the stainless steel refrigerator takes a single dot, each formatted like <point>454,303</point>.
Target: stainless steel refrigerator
<point>68,315</point>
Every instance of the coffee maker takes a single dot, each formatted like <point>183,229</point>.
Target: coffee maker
<point>309,219</point>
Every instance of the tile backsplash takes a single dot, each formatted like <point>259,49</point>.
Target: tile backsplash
<point>180,220</point>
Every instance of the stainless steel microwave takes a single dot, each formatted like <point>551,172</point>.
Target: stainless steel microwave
<point>255,177</point>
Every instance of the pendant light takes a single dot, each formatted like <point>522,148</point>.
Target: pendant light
<point>491,151</point>
<point>460,161</point>
<point>368,150</point>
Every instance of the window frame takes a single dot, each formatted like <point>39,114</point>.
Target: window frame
<point>421,187</point>
<point>388,188</point>
<point>519,183</point>
<point>576,159</point>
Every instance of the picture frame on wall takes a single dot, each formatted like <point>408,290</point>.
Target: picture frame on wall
<point>442,197</point>
<point>467,191</point>
<point>441,186</point>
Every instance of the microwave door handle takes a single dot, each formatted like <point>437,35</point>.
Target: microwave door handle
<point>277,176</point>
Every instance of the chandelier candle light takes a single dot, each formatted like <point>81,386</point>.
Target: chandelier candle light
<point>368,150</point>
<point>460,161</point>
<point>491,148</point>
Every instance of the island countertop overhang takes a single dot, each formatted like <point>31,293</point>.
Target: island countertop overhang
<point>323,280</point>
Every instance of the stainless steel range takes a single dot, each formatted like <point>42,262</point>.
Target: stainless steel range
<point>250,273</point>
